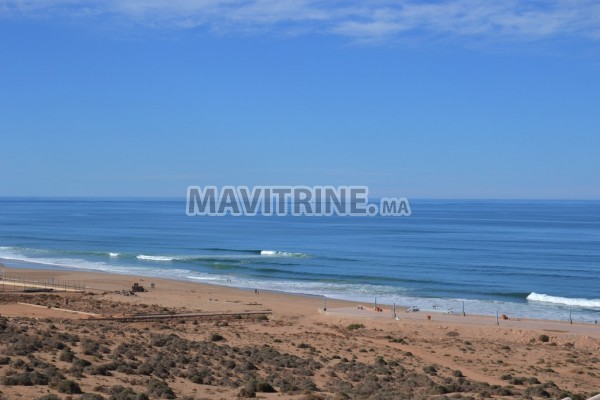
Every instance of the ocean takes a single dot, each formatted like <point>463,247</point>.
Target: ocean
<point>526,259</point>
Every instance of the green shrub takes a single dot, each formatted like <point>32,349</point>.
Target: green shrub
<point>145,369</point>
<point>90,348</point>
<point>48,397</point>
<point>353,327</point>
<point>516,381</point>
<point>67,355</point>
<point>537,391</point>
<point>3,324</point>
<point>119,392</point>
<point>25,379</point>
<point>68,387</point>
<point>248,391</point>
<point>25,345</point>
<point>265,387</point>
<point>440,389</point>
<point>215,337</point>
<point>430,370</point>
<point>80,362</point>
<point>201,377</point>
<point>100,369</point>
<point>159,389</point>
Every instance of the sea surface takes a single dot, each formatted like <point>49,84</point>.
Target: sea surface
<point>537,259</point>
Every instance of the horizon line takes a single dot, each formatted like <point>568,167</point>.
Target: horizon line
<point>183,198</point>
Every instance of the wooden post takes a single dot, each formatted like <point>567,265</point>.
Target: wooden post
<point>497,320</point>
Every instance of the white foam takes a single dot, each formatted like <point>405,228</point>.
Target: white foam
<point>281,253</point>
<point>205,278</point>
<point>154,258</point>
<point>538,306</point>
<point>54,262</point>
<point>594,303</point>
<point>113,254</point>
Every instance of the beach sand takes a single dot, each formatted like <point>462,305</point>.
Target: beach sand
<point>360,352</point>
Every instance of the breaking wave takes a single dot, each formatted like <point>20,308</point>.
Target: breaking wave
<point>593,303</point>
<point>281,253</point>
<point>154,258</point>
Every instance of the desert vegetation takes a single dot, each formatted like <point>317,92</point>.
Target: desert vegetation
<point>53,358</point>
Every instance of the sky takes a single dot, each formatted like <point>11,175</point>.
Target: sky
<point>421,99</point>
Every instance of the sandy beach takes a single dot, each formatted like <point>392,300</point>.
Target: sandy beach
<point>354,345</point>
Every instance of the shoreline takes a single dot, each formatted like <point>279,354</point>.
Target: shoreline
<point>109,282</point>
<point>470,354</point>
<point>518,308</point>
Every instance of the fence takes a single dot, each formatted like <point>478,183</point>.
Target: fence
<point>16,283</point>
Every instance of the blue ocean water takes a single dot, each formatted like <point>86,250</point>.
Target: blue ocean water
<point>522,258</point>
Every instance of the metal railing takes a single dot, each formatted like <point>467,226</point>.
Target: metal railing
<point>19,283</point>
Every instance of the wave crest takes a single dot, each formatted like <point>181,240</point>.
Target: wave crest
<point>281,253</point>
<point>593,303</point>
<point>154,258</point>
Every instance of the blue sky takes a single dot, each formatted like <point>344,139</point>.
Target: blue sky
<point>434,99</point>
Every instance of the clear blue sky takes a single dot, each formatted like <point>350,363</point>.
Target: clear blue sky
<point>438,99</point>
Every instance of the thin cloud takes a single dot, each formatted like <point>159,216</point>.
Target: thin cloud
<point>372,20</point>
